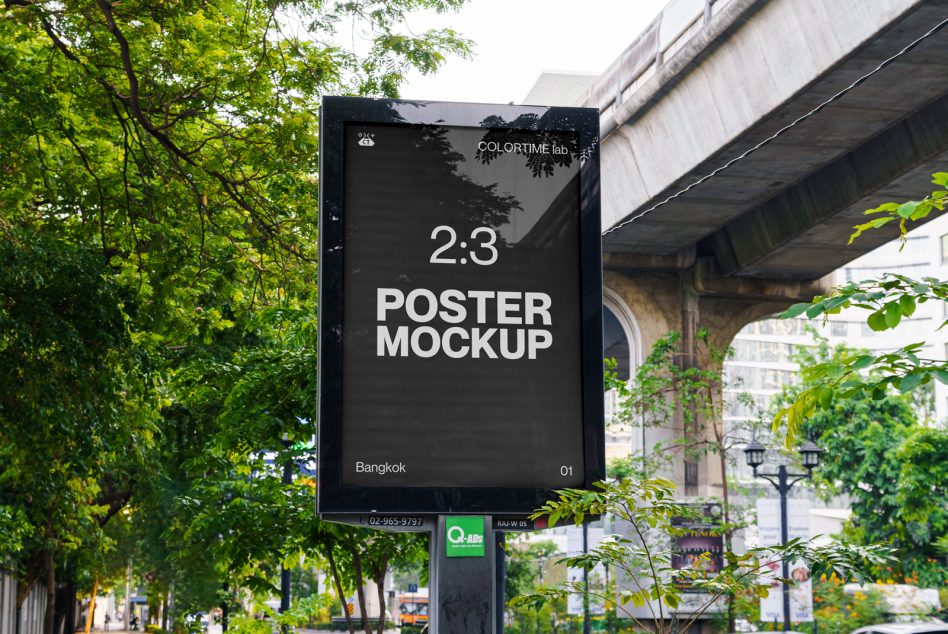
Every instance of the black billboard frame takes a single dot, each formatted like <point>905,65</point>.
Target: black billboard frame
<point>334,497</point>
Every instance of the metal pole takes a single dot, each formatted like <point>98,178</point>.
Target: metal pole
<point>586,624</point>
<point>462,595</point>
<point>284,572</point>
<point>500,581</point>
<point>783,489</point>
<point>126,617</point>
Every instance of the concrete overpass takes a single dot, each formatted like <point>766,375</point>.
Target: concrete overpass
<point>709,80</point>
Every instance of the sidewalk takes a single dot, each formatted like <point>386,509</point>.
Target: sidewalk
<point>358,628</point>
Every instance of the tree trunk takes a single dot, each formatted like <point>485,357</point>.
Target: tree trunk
<point>49,620</point>
<point>379,579</point>
<point>726,508</point>
<point>360,589</point>
<point>89,617</point>
<point>35,569</point>
<point>338,584</point>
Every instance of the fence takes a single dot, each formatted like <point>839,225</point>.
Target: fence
<point>31,613</point>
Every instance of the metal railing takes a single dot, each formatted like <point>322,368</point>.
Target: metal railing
<point>678,23</point>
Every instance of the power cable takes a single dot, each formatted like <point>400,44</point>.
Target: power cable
<point>781,131</point>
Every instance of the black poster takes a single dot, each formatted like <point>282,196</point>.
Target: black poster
<point>460,306</point>
<point>461,353</point>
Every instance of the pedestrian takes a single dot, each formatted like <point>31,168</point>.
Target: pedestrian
<point>108,619</point>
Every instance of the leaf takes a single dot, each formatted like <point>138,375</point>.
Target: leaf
<point>862,362</point>
<point>893,314</point>
<point>906,210</point>
<point>795,310</point>
<point>877,321</point>
<point>815,310</point>
<point>940,178</point>
<point>909,382</point>
<point>872,224</point>
<point>907,303</point>
<point>881,208</point>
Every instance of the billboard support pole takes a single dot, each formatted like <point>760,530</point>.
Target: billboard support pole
<point>462,595</point>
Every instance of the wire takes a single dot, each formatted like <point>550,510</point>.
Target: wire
<point>781,131</point>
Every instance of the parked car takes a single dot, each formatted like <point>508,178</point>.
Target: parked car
<point>923,627</point>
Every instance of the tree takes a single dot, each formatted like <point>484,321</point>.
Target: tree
<point>874,452</point>
<point>668,393</point>
<point>159,190</point>
<point>70,436</point>
<point>887,299</point>
<point>649,507</point>
<point>898,463</point>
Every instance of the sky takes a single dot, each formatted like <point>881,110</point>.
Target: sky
<point>516,40</point>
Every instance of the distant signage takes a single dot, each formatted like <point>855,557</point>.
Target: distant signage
<point>698,545</point>
<point>801,592</point>
<point>464,536</point>
<point>460,306</point>
<point>596,576</point>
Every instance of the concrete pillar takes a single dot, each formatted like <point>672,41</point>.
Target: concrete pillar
<point>686,293</point>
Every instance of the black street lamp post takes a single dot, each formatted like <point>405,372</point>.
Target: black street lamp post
<point>754,453</point>
<point>284,571</point>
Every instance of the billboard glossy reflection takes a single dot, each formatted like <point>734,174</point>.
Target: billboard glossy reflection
<point>460,310</point>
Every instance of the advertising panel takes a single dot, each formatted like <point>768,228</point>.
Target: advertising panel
<point>801,593</point>
<point>596,576</point>
<point>460,306</point>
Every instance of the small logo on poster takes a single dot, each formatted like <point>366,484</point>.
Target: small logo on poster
<point>366,139</point>
<point>465,536</point>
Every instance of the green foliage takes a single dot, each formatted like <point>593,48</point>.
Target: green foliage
<point>911,211</point>
<point>546,620</point>
<point>70,437</point>
<point>671,390</point>
<point>890,466</point>
<point>249,624</point>
<point>524,564</point>
<point>835,611</point>
<point>157,300</point>
<point>887,300</point>
<point>648,506</point>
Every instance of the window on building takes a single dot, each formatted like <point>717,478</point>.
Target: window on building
<point>615,343</point>
<point>944,248</point>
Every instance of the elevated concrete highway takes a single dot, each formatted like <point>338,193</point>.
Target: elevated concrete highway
<point>707,81</point>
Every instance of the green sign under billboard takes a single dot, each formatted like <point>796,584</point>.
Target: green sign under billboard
<point>464,536</point>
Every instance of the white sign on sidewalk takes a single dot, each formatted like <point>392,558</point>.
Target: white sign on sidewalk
<point>597,576</point>
<point>801,593</point>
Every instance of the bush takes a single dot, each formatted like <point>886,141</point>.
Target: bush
<point>247,624</point>
<point>835,612</point>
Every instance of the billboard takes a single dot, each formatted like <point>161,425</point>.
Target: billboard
<point>801,592</point>
<point>460,306</point>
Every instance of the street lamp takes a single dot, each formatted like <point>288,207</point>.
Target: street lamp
<point>810,453</point>
<point>284,571</point>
